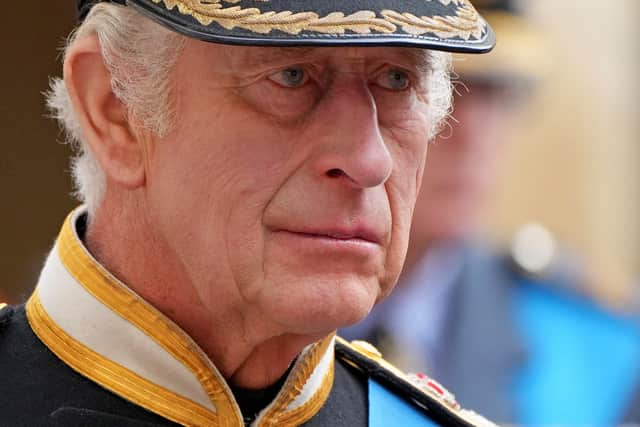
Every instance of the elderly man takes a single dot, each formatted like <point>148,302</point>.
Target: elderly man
<point>249,170</point>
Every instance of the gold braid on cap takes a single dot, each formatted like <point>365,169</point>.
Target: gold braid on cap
<point>465,24</point>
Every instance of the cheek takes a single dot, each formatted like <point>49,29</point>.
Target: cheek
<point>395,108</point>
<point>213,179</point>
<point>408,146</point>
<point>234,151</point>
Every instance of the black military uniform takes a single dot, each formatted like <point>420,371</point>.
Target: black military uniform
<point>55,395</point>
<point>86,350</point>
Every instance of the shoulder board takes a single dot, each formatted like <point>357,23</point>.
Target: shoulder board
<point>421,391</point>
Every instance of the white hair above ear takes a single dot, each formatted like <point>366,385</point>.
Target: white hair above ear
<point>140,55</point>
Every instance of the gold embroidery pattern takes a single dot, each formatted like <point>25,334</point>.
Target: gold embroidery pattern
<point>276,415</point>
<point>108,290</point>
<point>300,415</point>
<point>113,376</point>
<point>464,24</point>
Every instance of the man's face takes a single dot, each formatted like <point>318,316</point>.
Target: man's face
<point>288,182</point>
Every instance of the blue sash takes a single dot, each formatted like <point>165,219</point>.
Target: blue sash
<point>583,363</point>
<point>388,410</point>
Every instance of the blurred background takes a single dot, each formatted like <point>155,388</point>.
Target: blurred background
<point>34,178</point>
<point>574,162</point>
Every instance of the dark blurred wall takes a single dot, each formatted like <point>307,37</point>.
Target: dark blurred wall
<point>34,177</point>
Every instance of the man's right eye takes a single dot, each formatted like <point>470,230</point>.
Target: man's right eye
<point>292,77</point>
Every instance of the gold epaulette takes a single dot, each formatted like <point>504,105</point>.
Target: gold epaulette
<point>424,392</point>
<point>2,306</point>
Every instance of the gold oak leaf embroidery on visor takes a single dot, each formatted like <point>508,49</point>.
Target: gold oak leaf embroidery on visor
<point>465,24</point>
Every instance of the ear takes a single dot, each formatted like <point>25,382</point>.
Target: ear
<point>102,117</point>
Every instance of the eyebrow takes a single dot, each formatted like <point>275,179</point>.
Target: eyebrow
<point>419,58</point>
<point>260,55</point>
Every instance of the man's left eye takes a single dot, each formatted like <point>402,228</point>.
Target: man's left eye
<point>292,77</point>
<point>394,79</point>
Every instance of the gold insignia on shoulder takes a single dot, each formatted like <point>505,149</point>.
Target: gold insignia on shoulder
<point>424,391</point>
<point>370,351</point>
<point>2,305</point>
<point>434,389</point>
<point>366,348</point>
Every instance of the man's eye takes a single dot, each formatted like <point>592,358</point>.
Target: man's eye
<point>290,77</point>
<point>394,79</point>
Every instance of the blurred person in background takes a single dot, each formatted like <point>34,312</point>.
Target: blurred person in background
<point>513,333</point>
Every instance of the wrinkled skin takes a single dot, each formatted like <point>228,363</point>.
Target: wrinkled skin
<point>278,208</point>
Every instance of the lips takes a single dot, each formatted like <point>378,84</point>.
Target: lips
<point>362,233</point>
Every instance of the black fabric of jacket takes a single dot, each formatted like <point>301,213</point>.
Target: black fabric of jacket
<point>38,389</point>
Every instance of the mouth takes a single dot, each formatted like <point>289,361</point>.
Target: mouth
<point>331,248</point>
<point>345,245</point>
<point>361,235</point>
<point>362,242</point>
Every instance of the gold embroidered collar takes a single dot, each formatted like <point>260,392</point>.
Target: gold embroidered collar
<point>109,334</point>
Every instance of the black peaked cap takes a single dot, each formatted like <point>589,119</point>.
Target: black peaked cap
<point>449,25</point>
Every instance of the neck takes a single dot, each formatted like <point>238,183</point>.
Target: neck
<point>247,349</point>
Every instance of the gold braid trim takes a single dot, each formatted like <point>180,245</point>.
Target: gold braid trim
<point>276,415</point>
<point>113,294</point>
<point>304,413</point>
<point>252,19</point>
<point>114,377</point>
<point>465,24</point>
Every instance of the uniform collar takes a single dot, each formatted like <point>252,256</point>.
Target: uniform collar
<point>109,334</point>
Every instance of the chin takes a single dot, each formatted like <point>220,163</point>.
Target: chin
<point>323,304</point>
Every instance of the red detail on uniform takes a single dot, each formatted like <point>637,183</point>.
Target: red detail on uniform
<point>435,387</point>
<point>421,376</point>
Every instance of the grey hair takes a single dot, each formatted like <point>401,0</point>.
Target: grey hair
<point>140,55</point>
<point>440,91</point>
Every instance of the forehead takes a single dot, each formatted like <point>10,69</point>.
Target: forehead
<point>256,56</point>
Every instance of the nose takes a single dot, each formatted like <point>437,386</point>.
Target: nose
<point>352,147</point>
